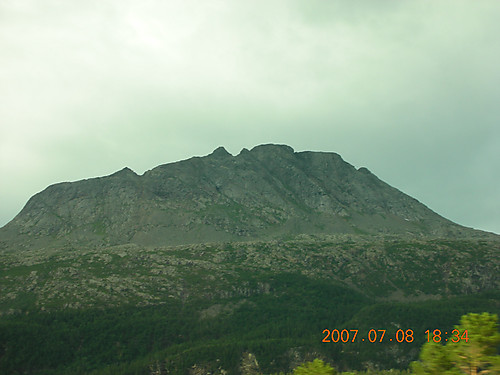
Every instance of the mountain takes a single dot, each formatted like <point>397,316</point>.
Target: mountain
<point>200,266</point>
<point>265,193</point>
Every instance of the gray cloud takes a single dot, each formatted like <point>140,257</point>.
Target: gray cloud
<point>409,89</point>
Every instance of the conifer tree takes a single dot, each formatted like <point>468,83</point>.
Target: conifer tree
<point>434,360</point>
<point>472,349</point>
<point>478,354</point>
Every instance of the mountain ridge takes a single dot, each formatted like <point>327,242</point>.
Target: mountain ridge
<point>267,192</point>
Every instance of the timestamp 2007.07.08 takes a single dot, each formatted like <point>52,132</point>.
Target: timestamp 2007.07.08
<point>379,335</point>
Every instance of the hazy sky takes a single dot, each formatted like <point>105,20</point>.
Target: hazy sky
<point>409,89</point>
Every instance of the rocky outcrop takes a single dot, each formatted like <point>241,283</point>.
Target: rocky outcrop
<point>267,192</point>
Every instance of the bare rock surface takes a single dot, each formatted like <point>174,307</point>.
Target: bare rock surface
<point>266,193</point>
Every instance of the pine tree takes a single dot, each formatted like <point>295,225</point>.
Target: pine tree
<point>477,355</point>
<point>434,360</point>
<point>473,353</point>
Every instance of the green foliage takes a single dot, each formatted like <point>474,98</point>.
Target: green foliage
<point>377,372</point>
<point>109,340</point>
<point>128,339</point>
<point>474,353</point>
<point>316,367</point>
<point>478,354</point>
<point>434,360</point>
<point>419,317</point>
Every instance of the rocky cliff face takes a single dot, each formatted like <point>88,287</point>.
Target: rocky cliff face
<point>267,192</point>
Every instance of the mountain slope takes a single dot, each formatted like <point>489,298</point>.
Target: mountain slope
<point>268,192</point>
<point>197,263</point>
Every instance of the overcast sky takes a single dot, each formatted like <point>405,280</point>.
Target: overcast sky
<point>409,89</point>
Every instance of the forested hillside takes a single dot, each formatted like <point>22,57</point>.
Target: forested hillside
<point>274,256</point>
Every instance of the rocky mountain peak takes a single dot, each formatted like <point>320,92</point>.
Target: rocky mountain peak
<point>265,193</point>
<point>220,152</point>
<point>124,172</point>
<point>272,150</point>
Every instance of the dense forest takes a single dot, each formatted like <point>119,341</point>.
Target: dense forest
<point>280,329</point>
